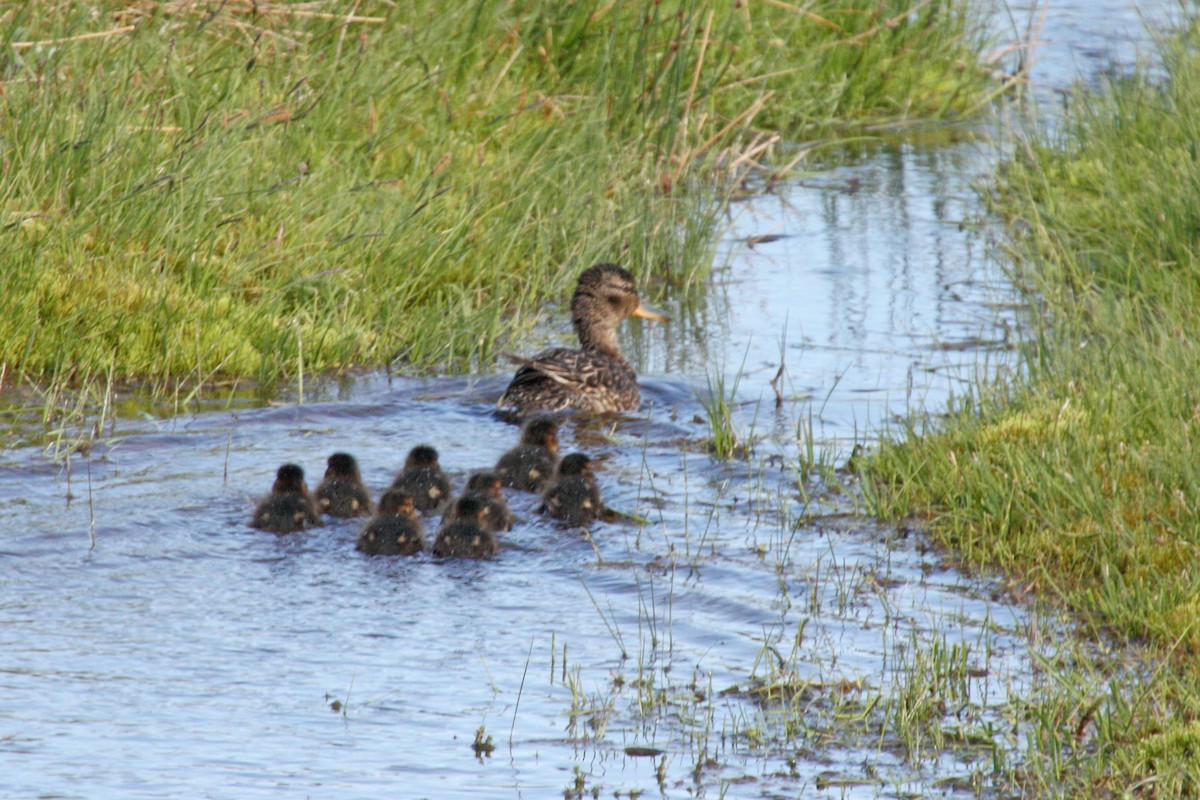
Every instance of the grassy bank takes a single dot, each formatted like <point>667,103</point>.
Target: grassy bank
<point>1082,480</point>
<point>201,190</point>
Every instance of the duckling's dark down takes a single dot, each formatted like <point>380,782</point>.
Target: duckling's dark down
<point>289,507</point>
<point>574,498</point>
<point>395,530</point>
<point>422,477</point>
<point>530,466</point>
<point>465,536</point>
<point>495,517</point>
<point>342,493</point>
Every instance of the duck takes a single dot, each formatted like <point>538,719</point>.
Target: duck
<point>574,497</point>
<point>342,493</point>
<point>496,516</point>
<point>596,378</point>
<point>395,530</point>
<point>289,507</point>
<point>422,477</point>
<point>465,536</point>
<point>530,465</point>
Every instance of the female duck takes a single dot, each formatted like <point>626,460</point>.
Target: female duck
<point>595,378</point>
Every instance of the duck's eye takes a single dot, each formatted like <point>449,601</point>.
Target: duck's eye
<point>614,301</point>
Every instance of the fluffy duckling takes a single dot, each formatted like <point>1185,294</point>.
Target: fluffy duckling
<point>596,377</point>
<point>342,493</point>
<point>395,530</point>
<point>530,465</point>
<point>496,516</point>
<point>422,477</point>
<point>574,497</point>
<point>289,507</point>
<point>465,536</point>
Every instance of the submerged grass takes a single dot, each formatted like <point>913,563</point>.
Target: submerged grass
<point>204,190</point>
<point>1082,480</point>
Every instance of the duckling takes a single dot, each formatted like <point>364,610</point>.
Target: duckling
<point>465,537</point>
<point>496,516</point>
<point>530,465</point>
<point>289,507</point>
<point>342,493</point>
<point>574,497</point>
<point>422,477</point>
<point>395,530</point>
<point>596,377</point>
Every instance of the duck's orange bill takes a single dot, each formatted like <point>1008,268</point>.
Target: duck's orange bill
<point>646,311</point>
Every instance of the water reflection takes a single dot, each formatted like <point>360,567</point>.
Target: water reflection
<point>868,281</point>
<point>1086,41</point>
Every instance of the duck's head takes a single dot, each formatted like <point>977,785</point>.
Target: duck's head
<point>470,507</point>
<point>541,432</point>
<point>576,464</point>
<point>396,501</point>
<point>342,465</point>
<point>484,483</point>
<point>604,297</point>
<point>421,456</point>
<point>289,480</point>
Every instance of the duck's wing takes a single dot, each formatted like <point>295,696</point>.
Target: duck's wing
<point>558,379</point>
<point>568,368</point>
<point>548,380</point>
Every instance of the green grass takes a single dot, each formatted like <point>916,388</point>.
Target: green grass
<point>236,191</point>
<point>719,402</point>
<point>1081,479</point>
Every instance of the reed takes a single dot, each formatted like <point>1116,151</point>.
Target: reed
<point>718,403</point>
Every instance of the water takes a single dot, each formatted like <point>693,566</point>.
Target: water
<point>189,655</point>
<point>751,640</point>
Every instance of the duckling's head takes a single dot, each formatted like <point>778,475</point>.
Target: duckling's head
<point>576,464</point>
<point>289,480</point>
<point>604,297</point>
<point>421,456</point>
<point>470,507</point>
<point>484,483</point>
<point>342,465</point>
<point>396,501</point>
<point>541,432</point>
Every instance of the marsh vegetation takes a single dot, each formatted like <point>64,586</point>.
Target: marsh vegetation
<point>1078,479</point>
<point>235,191</point>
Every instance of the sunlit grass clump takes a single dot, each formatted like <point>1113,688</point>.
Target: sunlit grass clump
<point>198,190</point>
<point>719,403</point>
<point>1082,480</point>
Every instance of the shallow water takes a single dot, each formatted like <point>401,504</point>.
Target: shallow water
<point>189,655</point>
<point>750,640</point>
